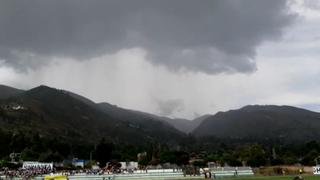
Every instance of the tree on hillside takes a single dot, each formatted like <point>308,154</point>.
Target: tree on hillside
<point>104,152</point>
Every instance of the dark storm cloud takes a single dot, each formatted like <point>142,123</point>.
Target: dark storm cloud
<point>209,36</point>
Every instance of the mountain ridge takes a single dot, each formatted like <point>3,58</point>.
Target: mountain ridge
<point>182,125</point>
<point>64,112</point>
<point>52,111</point>
<point>262,122</point>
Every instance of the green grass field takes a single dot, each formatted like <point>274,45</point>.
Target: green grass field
<point>273,178</point>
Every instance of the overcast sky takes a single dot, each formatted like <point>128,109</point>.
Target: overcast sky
<point>177,58</point>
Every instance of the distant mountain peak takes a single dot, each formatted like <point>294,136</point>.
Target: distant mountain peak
<point>40,88</point>
<point>257,107</point>
<point>277,108</point>
<point>45,86</point>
